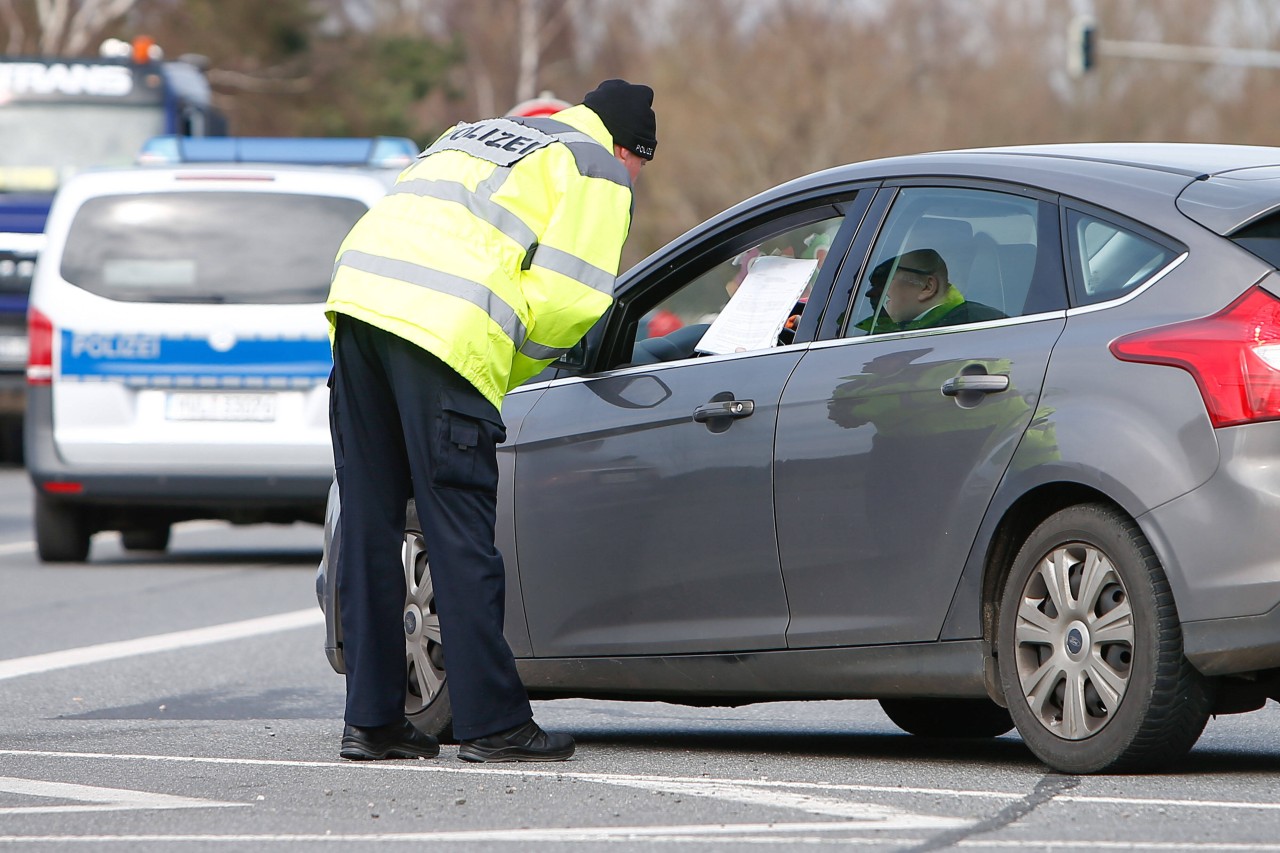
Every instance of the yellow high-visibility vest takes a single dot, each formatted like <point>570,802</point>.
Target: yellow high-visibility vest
<point>496,250</point>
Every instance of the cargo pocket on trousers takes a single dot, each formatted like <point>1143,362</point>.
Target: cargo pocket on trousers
<point>466,453</point>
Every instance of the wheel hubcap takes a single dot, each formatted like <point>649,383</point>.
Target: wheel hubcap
<point>1073,641</point>
<point>423,652</point>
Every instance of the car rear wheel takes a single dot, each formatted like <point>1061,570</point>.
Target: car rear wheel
<point>427,694</point>
<point>1090,648</point>
<point>62,531</point>
<point>145,538</point>
<point>970,718</point>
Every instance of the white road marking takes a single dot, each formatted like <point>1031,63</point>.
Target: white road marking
<point>741,833</point>
<point>17,547</point>
<point>160,643</point>
<point>509,770</point>
<point>93,799</point>
<point>425,766</point>
<point>867,815</point>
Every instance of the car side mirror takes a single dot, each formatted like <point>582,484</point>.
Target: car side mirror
<point>575,359</point>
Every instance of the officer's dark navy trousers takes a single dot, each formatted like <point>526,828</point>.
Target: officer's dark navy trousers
<point>405,424</point>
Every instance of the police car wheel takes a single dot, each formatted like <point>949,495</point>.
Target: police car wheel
<point>62,531</point>
<point>951,718</point>
<point>427,692</point>
<point>1090,648</point>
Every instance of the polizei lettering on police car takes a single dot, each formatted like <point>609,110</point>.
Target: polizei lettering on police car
<point>115,346</point>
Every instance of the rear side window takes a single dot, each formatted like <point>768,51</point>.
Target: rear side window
<point>1111,260</point>
<point>1262,238</point>
<point>949,256</point>
<point>208,247</point>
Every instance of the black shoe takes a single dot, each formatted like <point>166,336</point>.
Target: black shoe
<point>523,743</point>
<point>397,740</point>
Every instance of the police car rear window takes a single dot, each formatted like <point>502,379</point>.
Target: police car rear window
<point>208,247</point>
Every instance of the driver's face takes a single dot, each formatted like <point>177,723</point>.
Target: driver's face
<point>897,298</point>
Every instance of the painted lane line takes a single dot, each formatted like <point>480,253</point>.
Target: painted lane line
<point>515,770</point>
<point>94,799</point>
<point>746,833</point>
<point>17,547</point>
<point>788,833</point>
<point>16,667</point>
<point>869,815</point>
<point>508,770</point>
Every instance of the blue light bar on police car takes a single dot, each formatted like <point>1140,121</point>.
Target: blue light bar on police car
<point>380,151</point>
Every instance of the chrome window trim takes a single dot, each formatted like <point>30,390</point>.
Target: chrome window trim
<point>1132,294</point>
<point>945,330</point>
<point>662,365</point>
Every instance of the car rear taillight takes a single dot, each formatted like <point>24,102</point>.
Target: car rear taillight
<point>40,348</point>
<point>1233,355</point>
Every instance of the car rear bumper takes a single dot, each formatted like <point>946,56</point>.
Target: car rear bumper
<point>1220,546</point>
<point>1240,644</point>
<point>237,495</point>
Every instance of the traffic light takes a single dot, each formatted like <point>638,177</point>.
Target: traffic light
<point>1082,45</point>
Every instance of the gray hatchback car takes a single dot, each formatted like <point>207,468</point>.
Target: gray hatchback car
<point>990,436</point>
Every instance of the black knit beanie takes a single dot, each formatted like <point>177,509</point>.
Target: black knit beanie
<point>627,111</point>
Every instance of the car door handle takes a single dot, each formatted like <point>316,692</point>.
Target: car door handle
<point>724,409</point>
<point>981,383</point>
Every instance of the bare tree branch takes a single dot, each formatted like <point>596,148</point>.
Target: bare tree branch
<point>527,80</point>
<point>90,19</point>
<point>252,83</point>
<point>13,23</point>
<point>52,15</point>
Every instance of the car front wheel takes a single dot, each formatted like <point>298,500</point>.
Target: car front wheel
<point>1090,648</point>
<point>427,694</point>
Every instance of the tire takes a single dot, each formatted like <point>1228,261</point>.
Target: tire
<point>427,691</point>
<point>1090,649</point>
<point>145,539</point>
<point>949,718</point>
<point>62,531</point>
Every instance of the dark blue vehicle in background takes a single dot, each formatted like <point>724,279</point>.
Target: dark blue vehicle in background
<point>60,116</point>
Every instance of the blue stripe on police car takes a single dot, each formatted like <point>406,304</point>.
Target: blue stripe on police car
<point>150,357</point>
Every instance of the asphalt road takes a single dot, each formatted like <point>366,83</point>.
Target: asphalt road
<point>182,702</point>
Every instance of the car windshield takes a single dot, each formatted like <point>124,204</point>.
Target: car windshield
<point>47,143</point>
<point>208,247</point>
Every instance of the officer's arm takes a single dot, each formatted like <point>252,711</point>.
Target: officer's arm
<point>569,280</point>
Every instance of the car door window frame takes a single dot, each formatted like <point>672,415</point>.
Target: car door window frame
<point>852,281</point>
<point>1075,282</point>
<point>610,348</point>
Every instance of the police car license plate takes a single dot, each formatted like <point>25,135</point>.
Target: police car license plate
<point>220,407</point>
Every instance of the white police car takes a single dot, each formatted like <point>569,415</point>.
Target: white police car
<point>179,351</point>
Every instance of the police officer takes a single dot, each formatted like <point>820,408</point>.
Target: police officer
<point>492,255</point>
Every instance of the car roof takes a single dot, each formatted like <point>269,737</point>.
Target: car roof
<point>1190,159</point>
<point>1221,187</point>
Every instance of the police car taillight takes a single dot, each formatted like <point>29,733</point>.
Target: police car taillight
<point>40,348</point>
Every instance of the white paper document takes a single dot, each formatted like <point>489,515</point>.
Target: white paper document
<point>755,315</point>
